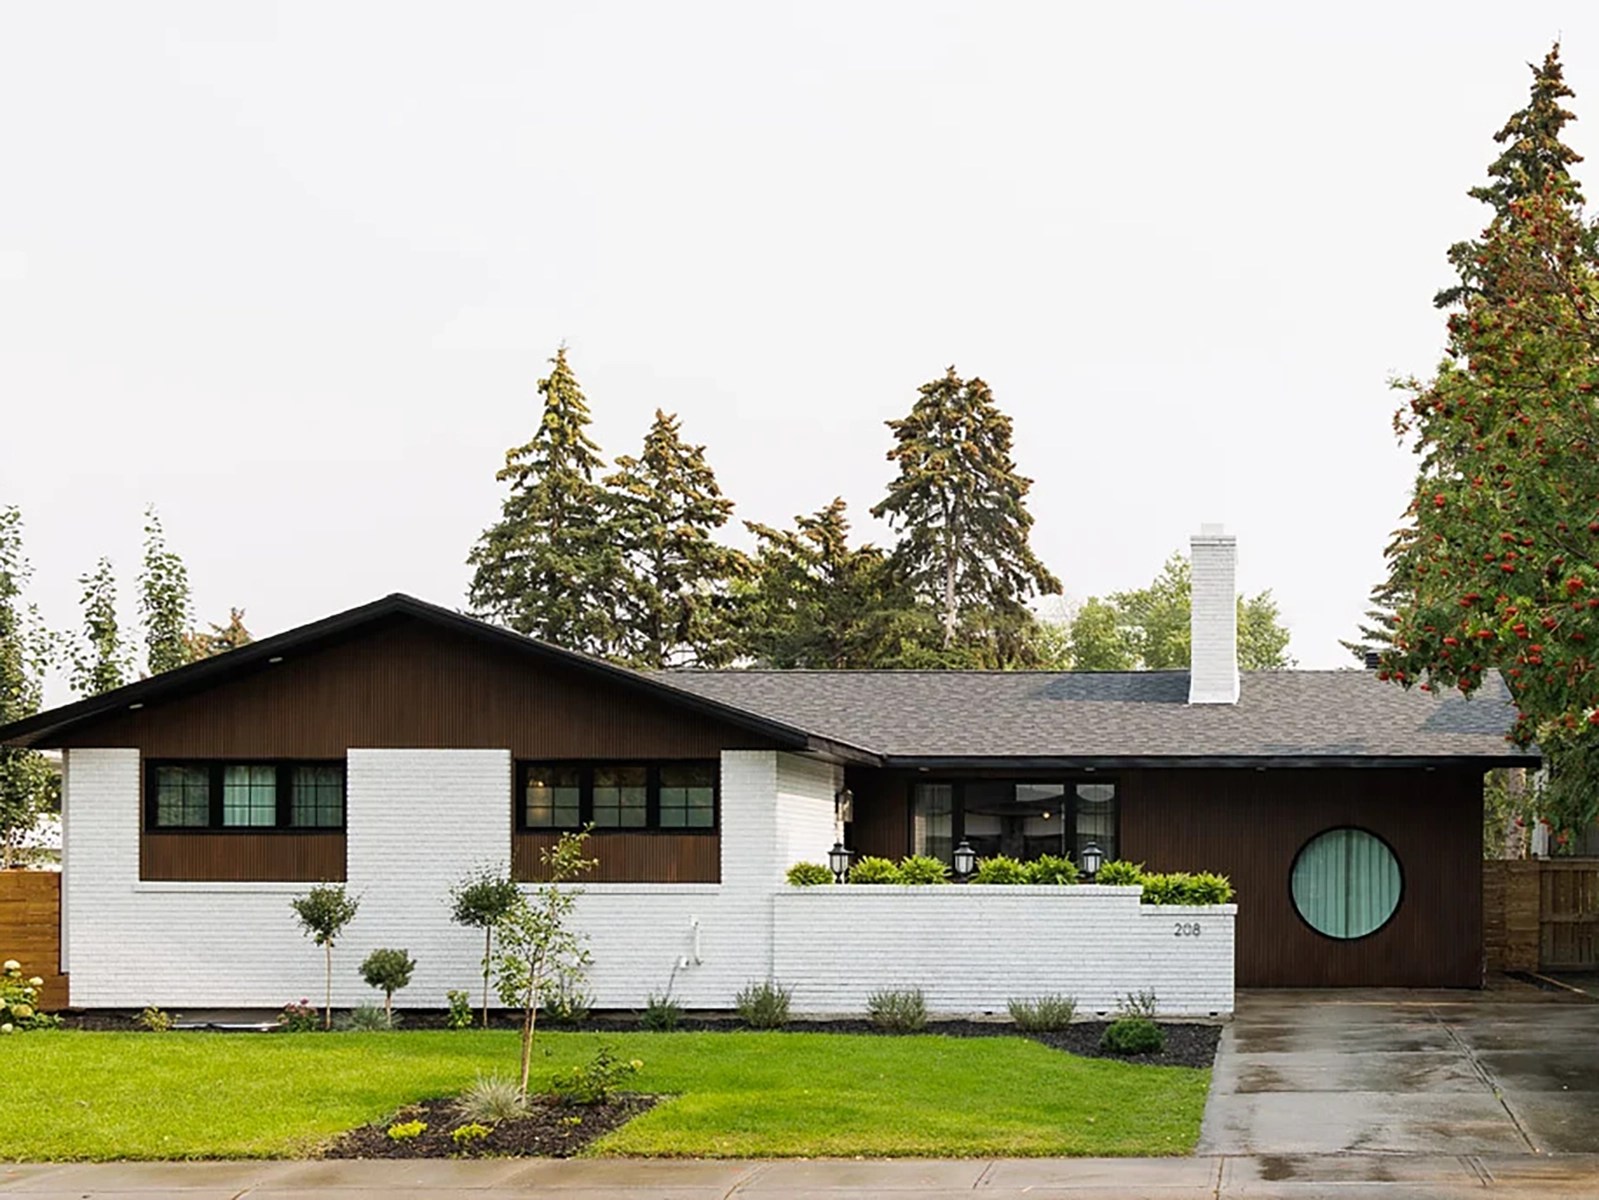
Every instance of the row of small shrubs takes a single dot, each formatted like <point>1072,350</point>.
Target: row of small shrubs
<point>1176,887</point>
<point>921,870</point>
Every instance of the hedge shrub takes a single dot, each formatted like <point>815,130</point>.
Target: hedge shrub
<point>1001,869</point>
<point>922,869</point>
<point>809,874</point>
<point>1051,869</point>
<point>872,869</point>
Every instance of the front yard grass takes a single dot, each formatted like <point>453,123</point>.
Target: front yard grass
<point>78,1095</point>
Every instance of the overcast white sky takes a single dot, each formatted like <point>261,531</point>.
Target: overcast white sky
<point>290,272</point>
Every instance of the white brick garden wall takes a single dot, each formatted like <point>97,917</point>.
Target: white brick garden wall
<point>418,820</point>
<point>972,948</point>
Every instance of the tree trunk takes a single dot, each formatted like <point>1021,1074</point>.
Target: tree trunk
<point>529,1015</point>
<point>327,989</point>
<point>388,1009</point>
<point>488,948</point>
<point>949,601</point>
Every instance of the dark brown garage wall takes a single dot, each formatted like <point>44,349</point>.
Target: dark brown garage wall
<point>1250,825</point>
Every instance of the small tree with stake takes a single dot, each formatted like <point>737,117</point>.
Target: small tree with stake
<point>388,971</point>
<point>481,901</point>
<point>536,940</point>
<point>323,913</point>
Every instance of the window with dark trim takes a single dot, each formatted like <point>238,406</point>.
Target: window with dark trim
<point>1021,818</point>
<point>244,796</point>
<point>677,797</point>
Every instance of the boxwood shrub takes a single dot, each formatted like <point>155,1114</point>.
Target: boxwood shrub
<point>1133,1035</point>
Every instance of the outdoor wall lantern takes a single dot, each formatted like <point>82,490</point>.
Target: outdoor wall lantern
<point>844,806</point>
<point>965,859</point>
<point>838,861</point>
<point>1093,859</point>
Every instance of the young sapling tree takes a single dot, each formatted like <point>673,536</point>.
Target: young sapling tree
<point>537,942</point>
<point>323,912</point>
<point>481,901</point>
<point>388,971</point>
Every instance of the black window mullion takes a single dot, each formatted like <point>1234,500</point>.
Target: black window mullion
<point>217,773</point>
<point>957,809</point>
<point>585,797</point>
<point>652,797</point>
<point>285,814</point>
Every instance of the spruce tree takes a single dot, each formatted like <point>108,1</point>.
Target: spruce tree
<point>99,660</point>
<point>165,604</point>
<point>28,786</point>
<point>549,567</point>
<point>666,509</point>
<point>960,509</point>
<point>816,601</point>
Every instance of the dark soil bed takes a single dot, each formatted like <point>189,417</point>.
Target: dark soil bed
<point>549,1130</point>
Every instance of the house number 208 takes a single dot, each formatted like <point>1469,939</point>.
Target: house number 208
<point>1186,929</point>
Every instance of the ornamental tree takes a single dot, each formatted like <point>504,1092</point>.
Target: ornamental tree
<point>481,901</point>
<point>388,970</point>
<point>323,912</point>
<point>1497,566</point>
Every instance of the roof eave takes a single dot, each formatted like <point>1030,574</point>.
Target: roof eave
<point>922,762</point>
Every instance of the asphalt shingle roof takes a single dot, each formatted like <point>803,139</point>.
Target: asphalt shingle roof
<point>1143,714</point>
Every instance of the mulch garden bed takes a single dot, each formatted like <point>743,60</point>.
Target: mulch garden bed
<point>550,1130</point>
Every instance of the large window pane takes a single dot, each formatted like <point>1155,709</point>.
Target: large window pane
<point>620,797</point>
<point>318,798</point>
<point>1096,820</point>
<point>553,798</point>
<point>249,795</point>
<point>1346,883</point>
<point>182,797</point>
<point>933,820</point>
<point>688,796</point>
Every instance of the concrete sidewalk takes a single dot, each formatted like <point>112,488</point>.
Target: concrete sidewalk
<point>1349,1177</point>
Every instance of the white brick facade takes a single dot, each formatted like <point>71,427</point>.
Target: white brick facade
<point>1213,617</point>
<point>418,820</point>
<point>970,949</point>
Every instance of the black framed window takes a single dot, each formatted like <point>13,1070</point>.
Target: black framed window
<point>617,796</point>
<point>1022,819</point>
<point>244,796</point>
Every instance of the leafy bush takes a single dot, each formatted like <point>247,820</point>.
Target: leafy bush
<point>1042,1014</point>
<point>872,869</point>
<point>299,1017</point>
<point>405,1131</point>
<point>565,1000</point>
<point>153,1019</point>
<point>367,1018</point>
<point>1051,869</point>
<point>1138,1004</point>
<point>923,869</point>
<point>809,874</point>
<point>388,971</point>
<point>490,1100</point>
<point>1120,873</point>
<point>19,1001</point>
<point>460,1014</point>
<point>1180,887</point>
<point>661,1014</point>
<point>1133,1035</point>
<point>902,1011</point>
<point>469,1135</point>
<point>763,1005</point>
<point>1000,870</point>
<point>595,1081</point>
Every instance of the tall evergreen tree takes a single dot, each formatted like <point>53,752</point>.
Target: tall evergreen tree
<point>816,601</point>
<point>99,660</point>
<point>667,508</point>
<point>960,509</point>
<point>28,786</point>
<point>549,567</point>
<point>165,604</point>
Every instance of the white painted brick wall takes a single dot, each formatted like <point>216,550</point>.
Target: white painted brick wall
<point>1213,617</point>
<point>972,948</point>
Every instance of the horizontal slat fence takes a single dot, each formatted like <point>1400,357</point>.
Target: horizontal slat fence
<point>30,928</point>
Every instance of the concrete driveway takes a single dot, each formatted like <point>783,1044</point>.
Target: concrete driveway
<point>1493,1073</point>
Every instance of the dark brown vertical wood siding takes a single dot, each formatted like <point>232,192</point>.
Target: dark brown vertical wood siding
<point>882,812</point>
<point>413,685</point>
<point>1250,825</point>
<point>630,857</point>
<point>242,857</point>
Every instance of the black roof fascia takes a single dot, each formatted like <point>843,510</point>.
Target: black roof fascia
<point>198,676</point>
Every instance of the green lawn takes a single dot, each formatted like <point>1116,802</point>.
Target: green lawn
<point>81,1095</point>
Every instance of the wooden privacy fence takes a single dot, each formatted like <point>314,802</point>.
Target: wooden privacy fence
<point>30,928</point>
<point>1541,915</point>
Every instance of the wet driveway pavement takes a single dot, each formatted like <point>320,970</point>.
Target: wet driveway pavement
<point>1500,1072</point>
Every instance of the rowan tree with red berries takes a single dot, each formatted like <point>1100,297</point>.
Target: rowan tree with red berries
<point>1497,566</point>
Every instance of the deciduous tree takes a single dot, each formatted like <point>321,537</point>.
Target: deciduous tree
<point>99,660</point>
<point>29,787</point>
<point>166,607</point>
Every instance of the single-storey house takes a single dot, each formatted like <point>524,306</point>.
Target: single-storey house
<point>399,745</point>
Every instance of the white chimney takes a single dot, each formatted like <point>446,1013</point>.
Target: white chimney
<point>1213,617</point>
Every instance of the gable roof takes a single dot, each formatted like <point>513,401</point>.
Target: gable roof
<point>932,718</point>
<point>1282,717</point>
<point>46,728</point>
